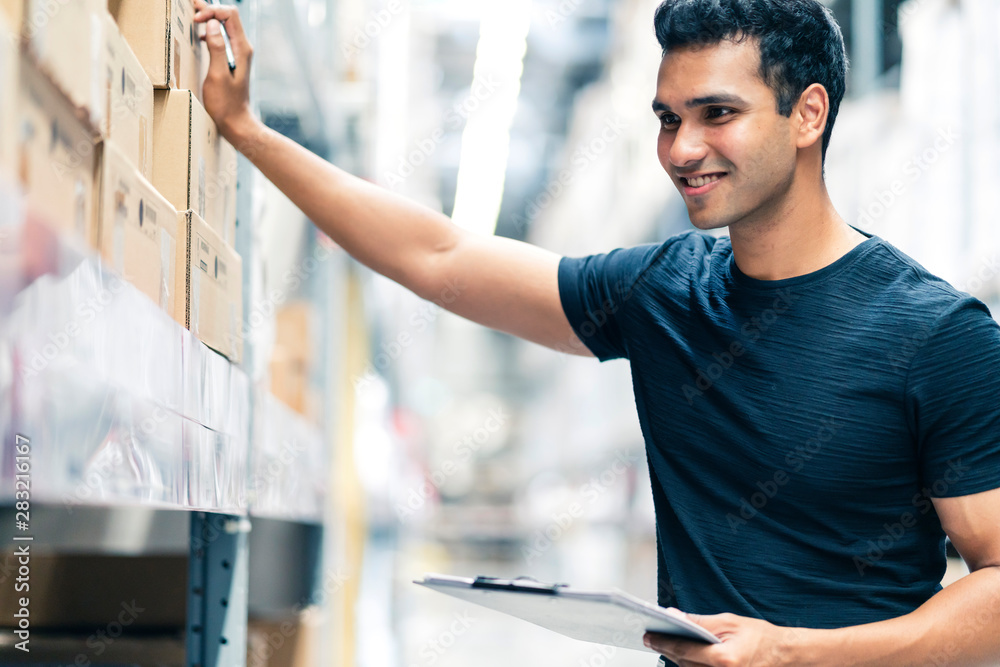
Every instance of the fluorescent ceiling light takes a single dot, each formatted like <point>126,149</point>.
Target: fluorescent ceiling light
<point>496,84</point>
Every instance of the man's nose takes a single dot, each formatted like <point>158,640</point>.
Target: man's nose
<point>688,147</point>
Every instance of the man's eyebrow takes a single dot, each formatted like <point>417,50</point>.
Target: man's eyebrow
<point>719,98</point>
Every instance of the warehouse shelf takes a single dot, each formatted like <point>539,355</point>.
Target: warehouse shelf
<point>288,479</point>
<point>123,406</point>
<point>130,414</point>
<point>126,407</point>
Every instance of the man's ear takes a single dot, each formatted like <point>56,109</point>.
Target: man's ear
<point>811,113</point>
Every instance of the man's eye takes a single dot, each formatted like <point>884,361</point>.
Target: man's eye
<point>668,119</point>
<point>719,112</point>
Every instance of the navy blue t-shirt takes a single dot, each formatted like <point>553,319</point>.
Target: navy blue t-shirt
<point>797,429</point>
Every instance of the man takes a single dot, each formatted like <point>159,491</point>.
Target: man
<point>819,411</point>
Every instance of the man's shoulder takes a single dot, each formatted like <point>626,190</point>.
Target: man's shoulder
<point>667,266</point>
<point>904,280</point>
<point>683,253</point>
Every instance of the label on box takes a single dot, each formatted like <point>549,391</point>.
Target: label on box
<point>204,255</point>
<point>221,275</point>
<point>129,90</point>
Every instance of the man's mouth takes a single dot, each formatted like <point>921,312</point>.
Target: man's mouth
<point>701,181</point>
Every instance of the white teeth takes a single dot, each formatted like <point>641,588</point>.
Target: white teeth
<point>702,180</point>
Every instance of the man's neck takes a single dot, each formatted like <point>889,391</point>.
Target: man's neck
<point>793,244</point>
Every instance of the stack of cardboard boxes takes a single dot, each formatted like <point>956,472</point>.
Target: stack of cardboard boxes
<point>293,358</point>
<point>102,127</point>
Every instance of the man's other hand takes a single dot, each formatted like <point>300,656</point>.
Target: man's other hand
<point>746,642</point>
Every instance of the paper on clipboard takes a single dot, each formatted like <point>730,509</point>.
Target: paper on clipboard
<point>609,617</point>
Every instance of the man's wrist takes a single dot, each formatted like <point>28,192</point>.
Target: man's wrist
<point>799,647</point>
<point>242,131</point>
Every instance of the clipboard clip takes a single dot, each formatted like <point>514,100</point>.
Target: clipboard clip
<point>520,585</point>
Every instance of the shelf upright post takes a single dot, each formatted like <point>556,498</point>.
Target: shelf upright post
<point>218,570</point>
<point>217,591</point>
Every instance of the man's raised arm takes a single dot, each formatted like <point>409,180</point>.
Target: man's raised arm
<point>501,283</point>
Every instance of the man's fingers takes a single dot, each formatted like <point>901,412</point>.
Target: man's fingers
<point>217,48</point>
<point>213,16</point>
<point>678,649</point>
<point>225,13</point>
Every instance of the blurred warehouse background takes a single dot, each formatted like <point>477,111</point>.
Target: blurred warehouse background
<point>425,443</point>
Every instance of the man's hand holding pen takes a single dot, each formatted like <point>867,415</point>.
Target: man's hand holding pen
<point>226,91</point>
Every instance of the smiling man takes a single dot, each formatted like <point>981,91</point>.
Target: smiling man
<point>819,411</point>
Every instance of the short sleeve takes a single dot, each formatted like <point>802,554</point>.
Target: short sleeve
<point>595,291</point>
<point>953,401</point>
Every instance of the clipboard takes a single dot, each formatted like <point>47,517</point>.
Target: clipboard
<point>610,617</point>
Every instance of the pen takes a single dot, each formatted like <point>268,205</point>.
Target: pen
<point>230,58</point>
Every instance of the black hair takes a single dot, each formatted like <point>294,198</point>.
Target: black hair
<point>800,43</point>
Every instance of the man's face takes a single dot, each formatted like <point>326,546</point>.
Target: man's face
<point>722,140</point>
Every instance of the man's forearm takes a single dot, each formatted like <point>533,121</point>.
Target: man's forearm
<point>385,231</point>
<point>958,626</point>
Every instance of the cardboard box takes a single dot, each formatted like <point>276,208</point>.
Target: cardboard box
<point>293,641</point>
<point>130,101</point>
<point>83,590</point>
<point>290,381</point>
<point>294,326</point>
<point>13,13</point>
<point>139,648</point>
<point>292,358</point>
<point>164,36</point>
<point>193,167</point>
<point>57,157</point>
<point>8,98</point>
<point>209,290</point>
<point>65,40</point>
<point>138,228</point>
